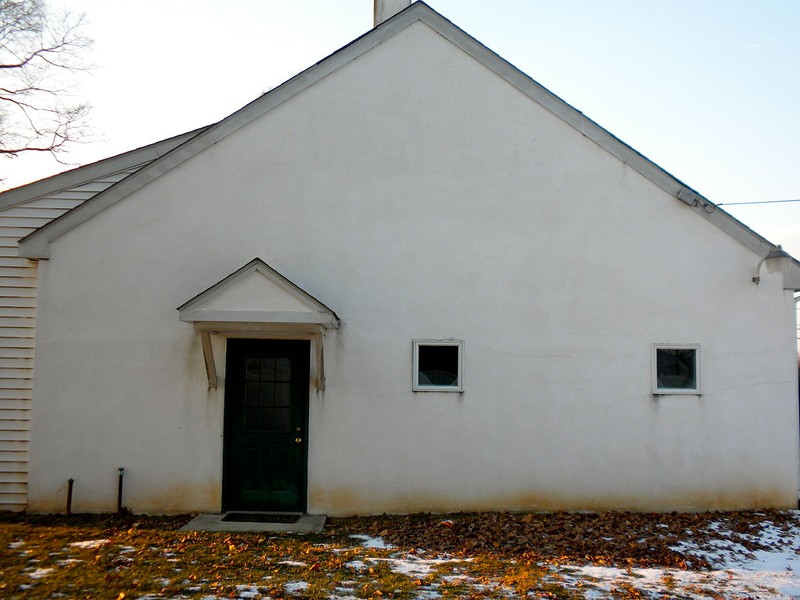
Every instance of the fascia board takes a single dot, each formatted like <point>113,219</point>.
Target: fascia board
<point>91,172</point>
<point>36,245</point>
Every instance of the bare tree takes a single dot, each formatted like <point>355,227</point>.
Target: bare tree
<point>40,54</point>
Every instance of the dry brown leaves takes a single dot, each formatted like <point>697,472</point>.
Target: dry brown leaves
<point>614,538</point>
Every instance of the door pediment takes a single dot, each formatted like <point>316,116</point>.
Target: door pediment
<point>256,293</point>
<point>258,302</point>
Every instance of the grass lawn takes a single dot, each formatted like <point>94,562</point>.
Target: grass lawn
<point>608,555</point>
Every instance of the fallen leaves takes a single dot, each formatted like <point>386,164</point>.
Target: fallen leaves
<point>462,555</point>
<point>613,538</point>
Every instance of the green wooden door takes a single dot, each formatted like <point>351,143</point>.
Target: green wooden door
<point>266,414</point>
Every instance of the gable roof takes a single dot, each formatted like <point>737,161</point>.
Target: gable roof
<point>36,245</point>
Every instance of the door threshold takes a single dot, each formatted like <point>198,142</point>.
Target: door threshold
<point>260,521</point>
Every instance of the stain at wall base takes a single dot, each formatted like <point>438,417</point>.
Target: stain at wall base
<point>347,502</point>
<point>179,498</point>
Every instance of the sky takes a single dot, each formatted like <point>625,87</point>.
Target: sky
<point>707,89</point>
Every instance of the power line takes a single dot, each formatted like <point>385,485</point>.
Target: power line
<point>757,202</point>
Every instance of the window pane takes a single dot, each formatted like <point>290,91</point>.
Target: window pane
<point>251,418</point>
<point>267,369</point>
<point>251,368</point>
<point>282,419</point>
<point>251,394</point>
<point>676,368</point>
<point>283,394</point>
<point>438,365</point>
<point>267,419</point>
<point>283,369</point>
<point>267,394</point>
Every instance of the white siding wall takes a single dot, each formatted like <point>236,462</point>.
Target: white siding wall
<point>435,203</point>
<point>18,282</point>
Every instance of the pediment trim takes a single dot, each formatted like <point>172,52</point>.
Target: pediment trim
<point>294,305</point>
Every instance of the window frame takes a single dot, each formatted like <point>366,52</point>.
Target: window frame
<point>417,387</point>
<point>662,391</point>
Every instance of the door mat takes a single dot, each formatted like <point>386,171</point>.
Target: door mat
<point>240,517</point>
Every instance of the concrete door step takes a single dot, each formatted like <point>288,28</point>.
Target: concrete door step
<point>260,522</point>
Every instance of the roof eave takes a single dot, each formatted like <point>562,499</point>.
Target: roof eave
<point>88,173</point>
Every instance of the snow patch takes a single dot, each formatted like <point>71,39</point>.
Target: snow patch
<point>697,585</point>
<point>247,591</point>
<point>295,586</point>
<point>776,568</point>
<point>39,573</point>
<point>90,543</point>
<point>417,567</point>
<point>368,541</point>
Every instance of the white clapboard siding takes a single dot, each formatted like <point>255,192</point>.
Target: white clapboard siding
<point>7,352</point>
<point>18,333</point>
<point>15,342</point>
<point>13,272</point>
<point>16,435</point>
<point>16,414</point>
<point>15,398</point>
<point>17,292</point>
<point>22,302</point>
<point>12,466</point>
<point>18,321</point>
<point>9,261</point>
<point>13,446</point>
<point>23,211</point>
<point>26,212</point>
<point>18,281</point>
<point>12,499</point>
<point>16,362</point>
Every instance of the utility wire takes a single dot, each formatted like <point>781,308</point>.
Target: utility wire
<point>757,202</point>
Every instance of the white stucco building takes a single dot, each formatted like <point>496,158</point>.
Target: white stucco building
<point>408,279</point>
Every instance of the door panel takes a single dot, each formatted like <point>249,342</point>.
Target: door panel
<point>266,413</point>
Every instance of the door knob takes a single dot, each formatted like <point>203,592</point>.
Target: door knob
<point>297,440</point>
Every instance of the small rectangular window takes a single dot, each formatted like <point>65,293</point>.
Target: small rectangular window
<point>438,365</point>
<point>676,369</point>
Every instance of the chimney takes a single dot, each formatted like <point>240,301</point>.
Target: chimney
<point>386,9</point>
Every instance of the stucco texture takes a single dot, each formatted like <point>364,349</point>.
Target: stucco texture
<point>421,196</point>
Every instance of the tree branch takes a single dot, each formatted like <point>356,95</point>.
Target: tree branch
<point>40,52</point>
